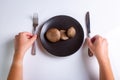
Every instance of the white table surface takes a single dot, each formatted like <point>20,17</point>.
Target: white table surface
<point>15,17</point>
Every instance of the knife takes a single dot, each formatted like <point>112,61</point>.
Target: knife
<point>87,20</point>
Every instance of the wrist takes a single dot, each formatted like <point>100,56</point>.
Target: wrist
<point>18,56</point>
<point>19,51</point>
<point>17,62</point>
<point>103,60</point>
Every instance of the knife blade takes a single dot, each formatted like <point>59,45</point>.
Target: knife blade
<point>88,24</point>
<point>87,20</point>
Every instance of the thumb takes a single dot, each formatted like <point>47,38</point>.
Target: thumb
<point>89,43</point>
<point>34,37</point>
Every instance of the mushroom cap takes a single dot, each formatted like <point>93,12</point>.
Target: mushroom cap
<point>53,35</point>
<point>63,35</point>
<point>71,32</point>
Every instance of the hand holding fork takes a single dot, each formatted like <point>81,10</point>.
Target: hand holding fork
<point>35,24</point>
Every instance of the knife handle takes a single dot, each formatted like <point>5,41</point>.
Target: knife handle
<point>90,54</point>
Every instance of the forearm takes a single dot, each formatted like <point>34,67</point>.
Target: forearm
<point>16,71</point>
<point>105,69</point>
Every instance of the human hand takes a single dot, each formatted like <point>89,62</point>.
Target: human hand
<point>23,41</point>
<point>98,46</point>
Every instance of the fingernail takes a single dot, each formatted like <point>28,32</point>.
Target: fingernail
<point>93,40</point>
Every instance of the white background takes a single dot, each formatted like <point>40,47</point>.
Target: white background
<point>15,17</point>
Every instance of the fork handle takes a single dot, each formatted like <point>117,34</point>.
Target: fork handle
<point>33,52</point>
<point>33,49</point>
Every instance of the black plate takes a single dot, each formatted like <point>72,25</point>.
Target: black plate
<point>62,48</point>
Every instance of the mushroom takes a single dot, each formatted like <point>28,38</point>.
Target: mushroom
<point>53,35</point>
<point>63,35</point>
<point>71,32</point>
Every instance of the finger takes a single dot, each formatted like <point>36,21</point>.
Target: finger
<point>97,36</point>
<point>93,39</point>
<point>105,40</point>
<point>26,33</point>
<point>30,36</point>
<point>16,36</point>
<point>34,37</point>
<point>89,43</point>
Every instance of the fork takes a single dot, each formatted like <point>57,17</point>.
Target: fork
<point>35,24</point>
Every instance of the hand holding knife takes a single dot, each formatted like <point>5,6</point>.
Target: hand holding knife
<point>87,20</point>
